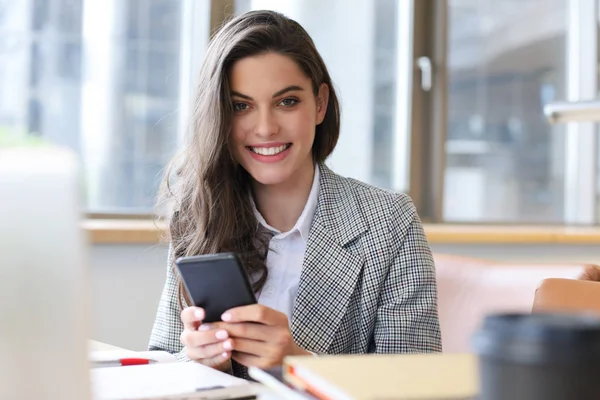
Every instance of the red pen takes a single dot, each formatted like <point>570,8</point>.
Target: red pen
<point>122,362</point>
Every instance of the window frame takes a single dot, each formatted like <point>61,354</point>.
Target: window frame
<point>429,110</point>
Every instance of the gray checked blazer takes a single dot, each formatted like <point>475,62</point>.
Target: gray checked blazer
<point>367,283</point>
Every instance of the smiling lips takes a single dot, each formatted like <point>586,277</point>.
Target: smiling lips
<point>272,152</point>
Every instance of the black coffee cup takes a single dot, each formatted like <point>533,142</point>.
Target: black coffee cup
<point>540,356</point>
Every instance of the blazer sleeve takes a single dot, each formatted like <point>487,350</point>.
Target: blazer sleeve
<point>167,324</point>
<point>407,316</point>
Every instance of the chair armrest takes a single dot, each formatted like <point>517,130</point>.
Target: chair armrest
<point>567,295</point>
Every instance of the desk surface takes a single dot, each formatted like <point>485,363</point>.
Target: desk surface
<point>99,346</point>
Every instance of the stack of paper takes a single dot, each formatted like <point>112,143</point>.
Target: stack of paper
<point>109,355</point>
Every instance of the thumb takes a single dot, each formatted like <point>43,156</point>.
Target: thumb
<point>192,317</point>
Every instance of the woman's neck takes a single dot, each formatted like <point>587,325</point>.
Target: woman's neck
<point>281,205</point>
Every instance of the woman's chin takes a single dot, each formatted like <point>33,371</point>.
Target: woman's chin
<point>285,172</point>
<point>269,178</point>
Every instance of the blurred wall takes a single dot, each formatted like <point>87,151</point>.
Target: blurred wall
<point>126,285</point>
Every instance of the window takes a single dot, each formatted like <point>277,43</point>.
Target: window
<point>497,65</point>
<point>505,61</point>
<point>104,78</point>
<point>113,80</point>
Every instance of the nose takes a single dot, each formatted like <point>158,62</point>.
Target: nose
<point>266,125</point>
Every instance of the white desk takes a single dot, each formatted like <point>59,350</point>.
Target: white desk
<point>99,346</point>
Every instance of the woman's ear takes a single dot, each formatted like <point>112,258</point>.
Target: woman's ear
<point>322,102</point>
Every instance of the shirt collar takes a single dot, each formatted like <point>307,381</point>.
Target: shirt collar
<point>305,220</point>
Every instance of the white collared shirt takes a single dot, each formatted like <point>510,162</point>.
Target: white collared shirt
<point>285,256</point>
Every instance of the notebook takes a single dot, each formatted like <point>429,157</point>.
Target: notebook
<point>361,377</point>
<point>172,381</point>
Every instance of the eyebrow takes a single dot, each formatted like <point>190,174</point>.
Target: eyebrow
<point>292,88</point>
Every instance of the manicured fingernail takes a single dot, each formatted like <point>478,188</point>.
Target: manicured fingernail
<point>226,317</point>
<point>205,327</point>
<point>227,345</point>
<point>225,355</point>
<point>199,314</point>
<point>221,335</point>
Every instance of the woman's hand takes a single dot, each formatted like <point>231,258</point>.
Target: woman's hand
<point>207,344</point>
<point>260,336</point>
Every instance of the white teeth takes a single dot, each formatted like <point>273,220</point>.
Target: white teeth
<point>269,151</point>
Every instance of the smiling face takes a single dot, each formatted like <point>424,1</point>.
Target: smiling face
<point>275,116</point>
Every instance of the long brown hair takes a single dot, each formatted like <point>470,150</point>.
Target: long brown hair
<point>208,191</point>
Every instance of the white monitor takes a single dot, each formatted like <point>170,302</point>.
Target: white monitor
<point>44,313</point>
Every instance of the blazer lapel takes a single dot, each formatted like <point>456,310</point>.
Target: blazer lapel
<point>330,269</point>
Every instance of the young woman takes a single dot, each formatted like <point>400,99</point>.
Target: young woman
<point>338,266</point>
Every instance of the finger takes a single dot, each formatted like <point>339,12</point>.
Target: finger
<point>255,347</point>
<point>212,350</point>
<point>192,317</point>
<point>217,360</point>
<point>250,360</point>
<point>206,334</point>
<point>249,330</point>
<point>254,313</point>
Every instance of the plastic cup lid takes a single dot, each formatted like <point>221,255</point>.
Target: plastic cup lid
<point>540,337</point>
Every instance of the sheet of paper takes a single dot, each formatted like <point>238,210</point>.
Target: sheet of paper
<point>106,355</point>
<point>158,380</point>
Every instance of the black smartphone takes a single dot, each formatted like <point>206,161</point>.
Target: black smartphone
<point>215,282</point>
